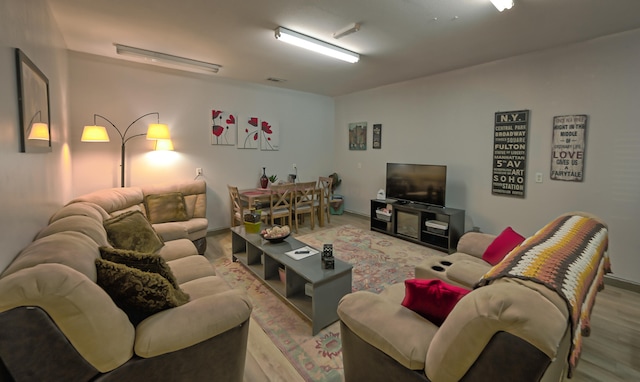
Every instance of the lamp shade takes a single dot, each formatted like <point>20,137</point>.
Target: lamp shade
<point>39,131</point>
<point>164,145</point>
<point>94,134</point>
<point>158,131</point>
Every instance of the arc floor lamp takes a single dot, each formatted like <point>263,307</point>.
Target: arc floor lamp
<point>96,133</point>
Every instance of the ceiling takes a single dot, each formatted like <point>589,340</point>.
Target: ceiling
<point>399,40</point>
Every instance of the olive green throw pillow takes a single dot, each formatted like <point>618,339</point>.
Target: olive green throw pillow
<point>169,207</point>
<point>138,293</point>
<point>143,261</point>
<point>133,231</point>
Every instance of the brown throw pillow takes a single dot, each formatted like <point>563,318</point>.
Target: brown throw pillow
<point>138,293</point>
<point>143,261</point>
<point>133,231</point>
<point>169,207</point>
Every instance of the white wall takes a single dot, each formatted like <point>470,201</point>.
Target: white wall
<point>448,119</point>
<point>122,91</point>
<point>33,185</point>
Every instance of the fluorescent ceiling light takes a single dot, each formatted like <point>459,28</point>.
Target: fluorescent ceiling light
<point>501,5</point>
<point>168,60</point>
<point>310,43</point>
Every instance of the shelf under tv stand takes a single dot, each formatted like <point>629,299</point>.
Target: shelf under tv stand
<point>407,221</point>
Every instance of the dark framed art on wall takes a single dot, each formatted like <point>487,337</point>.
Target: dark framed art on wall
<point>33,103</point>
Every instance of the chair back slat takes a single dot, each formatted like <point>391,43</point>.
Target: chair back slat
<point>325,184</point>
<point>281,202</point>
<point>304,201</point>
<point>237,209</point>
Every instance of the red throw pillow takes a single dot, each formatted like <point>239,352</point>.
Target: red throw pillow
<point>501,245</point>
<point>432,299</point>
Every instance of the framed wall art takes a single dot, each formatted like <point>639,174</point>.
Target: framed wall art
<point>33,103</point>
<point>568,147</point>
<point>358,136</point>
<point>377,136</point>
<point>269,136</point>
<point>510,153</point>
<point>248,133</point>
<point>223,128</point>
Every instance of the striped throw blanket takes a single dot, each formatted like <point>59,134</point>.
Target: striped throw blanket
<point>569,256</point>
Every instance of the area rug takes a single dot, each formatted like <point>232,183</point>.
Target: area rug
<point>378,261</point>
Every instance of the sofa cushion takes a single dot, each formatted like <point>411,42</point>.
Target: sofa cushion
<point>201,319</point>
<point>85,225</point>
<point>432,299</point>
<point>388,326</point>
<point>143,261</point>
<point>501,245</point>
<point>192,229</point>
<point>132,231</point>
<point>191,268</point>
<point>177,249</point>
<point>139,293</point>
<point>167,207</point>
<point>73,249</point>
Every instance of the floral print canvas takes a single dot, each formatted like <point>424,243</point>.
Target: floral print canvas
<point>249,133</point>
<point>223,128</point>
<point>269,136</point>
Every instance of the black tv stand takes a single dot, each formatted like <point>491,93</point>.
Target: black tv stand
<point>407,221</point>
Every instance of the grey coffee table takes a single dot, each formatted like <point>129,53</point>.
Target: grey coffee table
<point>264,258</point>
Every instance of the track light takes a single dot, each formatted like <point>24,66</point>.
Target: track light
<point>310,43</point>
<point>168,60</point>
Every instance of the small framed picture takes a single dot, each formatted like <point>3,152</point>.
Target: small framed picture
<point>358,136</point>
<point>377,136</point>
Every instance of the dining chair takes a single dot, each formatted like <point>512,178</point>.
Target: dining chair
<point>281,202</point>
<point>324,197</point>
<point>304,199</point>
<point>237,210</point>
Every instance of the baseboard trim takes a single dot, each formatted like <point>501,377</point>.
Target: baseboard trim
<point>218,231</point>
<point>622,284</point>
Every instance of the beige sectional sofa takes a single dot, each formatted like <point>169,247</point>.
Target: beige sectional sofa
<point>511,327</point>
<point>57,323</point>
<point>116,201</point>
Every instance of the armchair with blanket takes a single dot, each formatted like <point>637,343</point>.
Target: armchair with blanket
<point>516,323</point>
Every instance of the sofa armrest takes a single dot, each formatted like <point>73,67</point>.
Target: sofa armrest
<point>467,273</point>
<point>505,306</point>
<point>196,321</point>
<point>475,243</point>
<point>388,326</point>
<point>93,324</point>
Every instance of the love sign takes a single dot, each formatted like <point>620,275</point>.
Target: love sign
<point>568,147</point>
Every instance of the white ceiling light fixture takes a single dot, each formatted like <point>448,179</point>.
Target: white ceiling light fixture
<point>501,5</point>
<point>351,28</point>
<point>168,60</point>
<point>310,43</point>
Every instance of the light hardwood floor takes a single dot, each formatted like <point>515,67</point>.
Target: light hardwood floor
<point>610,354</point>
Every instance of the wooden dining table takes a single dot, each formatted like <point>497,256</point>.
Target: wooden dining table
<point>251,196</point>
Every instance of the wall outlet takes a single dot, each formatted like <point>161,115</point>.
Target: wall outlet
<point>295,166</point>
<point>198,171</point>
<point>538,177</point>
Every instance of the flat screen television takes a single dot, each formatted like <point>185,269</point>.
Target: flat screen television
<point>417,183</point>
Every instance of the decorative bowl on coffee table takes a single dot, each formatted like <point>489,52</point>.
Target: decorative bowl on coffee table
<point>278,239</point>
